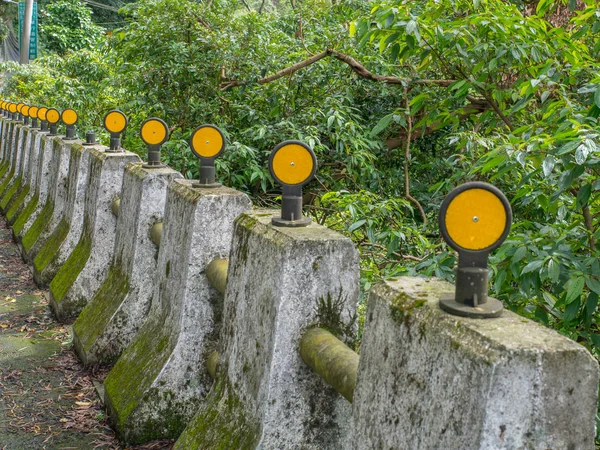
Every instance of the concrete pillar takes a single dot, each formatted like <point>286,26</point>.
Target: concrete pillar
<point>29,180</point>
<point>9,176</point>
<point>34,207</point>
<point>281,281</point>
<point>10,196</point>
<point>81,275</point>
<point>107,325</point>
<point>59,245</point>
<point>428,379</point>
<point>54,202</point>
<point>58,196</point>
<point>159,381</point>
<point>9,187</point>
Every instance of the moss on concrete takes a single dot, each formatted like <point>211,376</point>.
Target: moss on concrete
<point>9,193</point>
<point>6,181</point>
<point>51,247</point>
<point>96,315</point>
<point>17,205</point>
<point>24,216</point>
<point>130,382</point>
<point>38,226</point>
<point>221,423</point>
<point>69,272</point>
<point>4,168</point>
<point>402,305</point>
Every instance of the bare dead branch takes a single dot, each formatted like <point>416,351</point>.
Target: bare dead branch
<point>356,67</point>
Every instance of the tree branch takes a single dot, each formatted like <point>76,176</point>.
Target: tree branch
<point>407,159</point>
<point>356,67</point>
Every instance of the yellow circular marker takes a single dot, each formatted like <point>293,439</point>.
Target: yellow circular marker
<point>292,163</point>
<point>52,115</point>
<point>19,107</point>
<point>475,217</point>
<point>69,116</point>
<point>115,121</point>
<point>33,112</point>
<point>207,141</point>
<point>25,110</point>
<point>42,113</point>
<point>154,131</point>
<point>12,108</point>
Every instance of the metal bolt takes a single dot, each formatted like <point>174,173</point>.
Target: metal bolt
<point>475,219</point>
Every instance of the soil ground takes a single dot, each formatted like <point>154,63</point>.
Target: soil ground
<point>47,398</point>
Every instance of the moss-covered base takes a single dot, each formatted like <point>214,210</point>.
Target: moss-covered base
<point>17,205</point>
<point>10,192</point>
<point>3,169</point>
<point>24,216</point>
<point>221,423</point>
<point>128,388</point>
<point>95,317</point>
<point>6,181</point>
<point>49,251</point>
<point>34,232</point>
<point>66,276</point>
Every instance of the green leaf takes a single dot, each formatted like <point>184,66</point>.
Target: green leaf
<point>574,289</point>
<point>571,310</point>
<point>533,265</point>
<point>583,195</point>
<point>590,305</point>
<point>553,270</point>
<point>597,97</point>
<point>356,225</point>
<point>382,124</point>
<point>519,254</point>
<point>593,285</point>
<point>548,165</point>
<point>595,338</point>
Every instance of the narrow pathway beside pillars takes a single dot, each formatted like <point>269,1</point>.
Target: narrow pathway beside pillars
<point>47,399</point>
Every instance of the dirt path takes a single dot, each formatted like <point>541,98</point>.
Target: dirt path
<point>47,399</point>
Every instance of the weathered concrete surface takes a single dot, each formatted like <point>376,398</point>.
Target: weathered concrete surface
<point>14,156</point>
<point>15,183</point>
<point>159,381</point>
<point>38,202</point>
<point>112,318</point>
<point>56,202</point>
<point>64,238</point>
<point>79,278</point>
<point>11,195</point>
<point>30,176</point>
<point>429,380</point>
<point>281,281</point>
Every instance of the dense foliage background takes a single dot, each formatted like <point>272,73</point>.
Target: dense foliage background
<point>401,101</point>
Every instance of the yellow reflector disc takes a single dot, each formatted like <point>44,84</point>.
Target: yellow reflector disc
<point>42,113</point>
<point>115,121</point>
<point>13,108</point>
<point>69,117</point>
<point>475,219</point>
<point>19,106</point>
<point>52,115</point>
<point>153,132</point>
<point>207,142</point>
<point>292,164</point>
<point>25,111</point>
<point>33,112</point>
